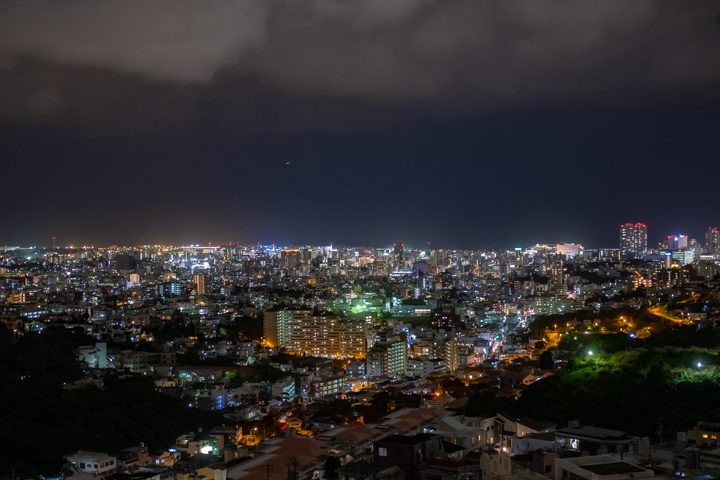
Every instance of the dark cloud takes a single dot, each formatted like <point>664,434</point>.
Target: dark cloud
<point>462,122</point>
<point>163,65</point>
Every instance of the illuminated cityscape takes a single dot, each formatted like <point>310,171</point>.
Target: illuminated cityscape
<point>303,342</point>
<point>359,240</point>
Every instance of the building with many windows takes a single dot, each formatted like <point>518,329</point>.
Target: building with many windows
<point>329,337</point>
<point>322,335</point>
<point>546,304</point>
<point>399,256</point>
<point>290,258</point>
<point>332,385</point>
<point>278,321</point>
<point>387,359</point>
<point>633,240</point>
<point>683,257</point>
<point>451,349</point>
<point>677,242</point>
<point>200,283</point>
<point>712,240</point>
<point>284,389</point>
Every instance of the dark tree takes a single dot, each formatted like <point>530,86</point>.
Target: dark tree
<point>332,464</point>
<point>546,360</point>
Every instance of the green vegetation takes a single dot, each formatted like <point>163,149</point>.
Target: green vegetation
<point>606,321</point>
<point>627,384</point>
<point>42,421</point>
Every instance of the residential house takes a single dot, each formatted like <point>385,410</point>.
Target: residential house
<point>532,442</point>
<point>410,453</point>
<point>598,467</point>
<point>595,440</point>
<point>214,471</point>
<point>704,433</point>
<point>131,459</point>
<point>468,437</point>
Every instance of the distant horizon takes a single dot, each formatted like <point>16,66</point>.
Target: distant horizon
<point>291,245</point>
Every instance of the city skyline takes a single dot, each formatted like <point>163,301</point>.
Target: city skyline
<point>651,244</point>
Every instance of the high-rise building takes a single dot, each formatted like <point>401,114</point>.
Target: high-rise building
<point>125,262</point>
<point>277,322</point>
<point>317,335</point>
<point>399,256</point>
<point>707,269</point>
<point>683,257</point>
<point>633,240</point>
<point>451,350</point>
<point>290,258</point>
<point>557,273</point>
<point>712,241</point>
<point>677,242</point>
<point>199,280</point>
<point>387,359</point>
<point>329,337</point>
<point>440,259</point>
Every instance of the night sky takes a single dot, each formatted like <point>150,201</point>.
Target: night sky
<point>461,123</point>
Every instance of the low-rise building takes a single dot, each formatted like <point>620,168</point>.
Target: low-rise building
<point>91,462</point>
<point>284,389</point>
<point>597,467</point>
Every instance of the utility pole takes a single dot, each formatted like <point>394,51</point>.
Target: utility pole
<point>659,431</point>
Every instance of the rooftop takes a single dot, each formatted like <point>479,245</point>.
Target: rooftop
<point>614,468</point>
<point>92,456</point>
<point>537,425</point>
<point>411,440</point>
<point>594,432</point>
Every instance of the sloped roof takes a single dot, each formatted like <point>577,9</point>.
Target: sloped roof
<point>452,424</point>
<point>451,447</point>
<point>594,432</point>
<point>358,434</point>
<point>537,425</point>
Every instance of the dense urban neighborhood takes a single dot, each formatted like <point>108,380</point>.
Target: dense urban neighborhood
<point>262,362</point>
<point>359,240</point>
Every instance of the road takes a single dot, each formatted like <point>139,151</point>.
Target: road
<point>662,313</point>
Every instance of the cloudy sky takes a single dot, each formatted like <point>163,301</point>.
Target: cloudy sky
<point>460,122</point>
